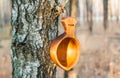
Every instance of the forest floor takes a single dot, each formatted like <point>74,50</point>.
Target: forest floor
<point>100,52</point>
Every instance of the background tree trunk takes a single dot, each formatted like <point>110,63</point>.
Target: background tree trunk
<point>34,26</point>
<point>1,14</point>
<point>105,6</point>
<point>74,6</point>
<point>89,14</point>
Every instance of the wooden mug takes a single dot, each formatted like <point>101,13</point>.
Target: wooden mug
<point>64,50</point>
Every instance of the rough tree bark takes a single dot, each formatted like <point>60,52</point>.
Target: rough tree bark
<point>34,26</point>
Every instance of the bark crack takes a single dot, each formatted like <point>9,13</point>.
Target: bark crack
<point>34,25</point>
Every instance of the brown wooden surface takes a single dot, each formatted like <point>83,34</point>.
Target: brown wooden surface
<point>64,50</point>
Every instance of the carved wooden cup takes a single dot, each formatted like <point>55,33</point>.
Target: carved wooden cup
<point>64,50</point>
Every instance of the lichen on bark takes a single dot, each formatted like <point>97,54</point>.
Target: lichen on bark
<point>34,26</point>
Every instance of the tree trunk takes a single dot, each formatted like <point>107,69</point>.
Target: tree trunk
<point>34,26</point>
<point>105,6</point>
<point>1,13</point>
<point>74,5</point>
<point>89,14</point>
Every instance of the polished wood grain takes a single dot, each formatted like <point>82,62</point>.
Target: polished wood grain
<point>65,49</point>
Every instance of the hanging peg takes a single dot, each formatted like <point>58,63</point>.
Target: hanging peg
<point>61,7</point>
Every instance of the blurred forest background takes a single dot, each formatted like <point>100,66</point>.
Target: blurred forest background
<point>98,31</point>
